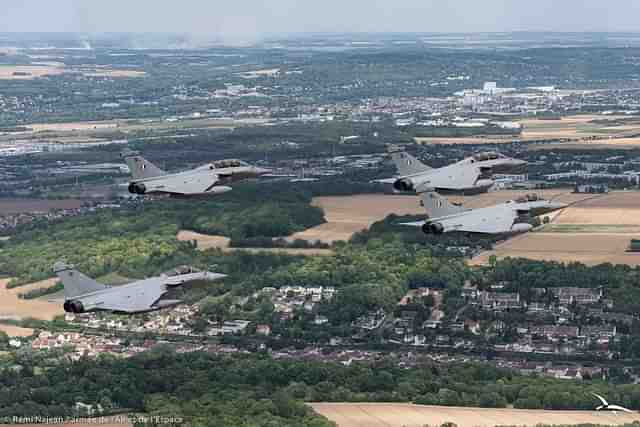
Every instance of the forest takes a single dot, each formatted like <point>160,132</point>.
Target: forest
<point>205,389</point>
<point>141,240</point>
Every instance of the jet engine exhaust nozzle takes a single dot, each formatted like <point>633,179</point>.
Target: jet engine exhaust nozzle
<point>73,307</point>
<point>432,228</point>
<point>404,185</point>
<point>137,188</point>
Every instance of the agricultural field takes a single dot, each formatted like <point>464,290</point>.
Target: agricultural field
<point>29,72</point>
<point>205,242</point>
<point>581,131</point>
<point>346,215</point>
<point>16,331</point>
<point>408,415</point>
<point>592,231</point>
<point>16,206</point>
<point>13,307</point>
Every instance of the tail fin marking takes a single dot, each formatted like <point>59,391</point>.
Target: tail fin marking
<point>438,206</point>
<point>75,283</point>
<point>407,164</point>
<point>140,167</point>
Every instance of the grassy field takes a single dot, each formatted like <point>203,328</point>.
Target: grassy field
<point>408,415</point>
<point>592,231</point>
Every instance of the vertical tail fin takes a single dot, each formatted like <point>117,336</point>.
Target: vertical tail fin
<point>140,167</point>
<point>75,283</point>
<point>407,164</point>
<point>438,206</point>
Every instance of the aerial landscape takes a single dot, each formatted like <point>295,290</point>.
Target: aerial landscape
<point>401,215</point>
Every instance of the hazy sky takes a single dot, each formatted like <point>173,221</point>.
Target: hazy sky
<point>253,18</point>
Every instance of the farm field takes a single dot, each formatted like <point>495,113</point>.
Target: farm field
<point>347,215</point>
<point>205,242</point>
<point>15,206</point>
<point>582,131</point>
<point>409,415</point>
<point>29,72</point>
<point>13,307</point>
<point>592,231</point>
<point>16,331</point>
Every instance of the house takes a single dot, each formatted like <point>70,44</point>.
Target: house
<point>499,301</point>
<point>442,340</point>
<point>581,296</point>
<point>263,329</point>
<point>554,332</point>
<point>597,332</point>
<point>431,324</point>
<point>230,327</point>
<point>320,320</point>
<point>470,291</point>
<point>370,321</point>
<point>537,308</point>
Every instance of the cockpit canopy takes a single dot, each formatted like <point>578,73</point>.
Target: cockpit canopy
<point>529,198</point>
<point>229,163</point>
<point>488,155</point>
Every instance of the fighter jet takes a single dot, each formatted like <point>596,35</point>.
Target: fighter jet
<point>510,217</point>
<point>469,176</point>
<point>209,179</point>
<point>607,407</point>
<point>83,294</point>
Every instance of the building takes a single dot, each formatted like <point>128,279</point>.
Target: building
<point>570,294</point>
<point>500,301</point>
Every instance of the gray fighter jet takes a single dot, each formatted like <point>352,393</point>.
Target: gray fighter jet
<point>469,176</point>
<point>83,294</point>
<point>510,217</point>
<point>209,179</point>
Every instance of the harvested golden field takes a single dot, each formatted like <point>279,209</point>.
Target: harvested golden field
<point>592,231</point>
<point>13,307</point>
<point>466,140</point>
<point>14,206</point>
<point>618,131</point>
<point>16,331</point>
<point>98,72</point>
<point>27,72</point>
<point>347,215</point>
<point>205,242</point>
<point>72,126</point>
<point>408,415</point>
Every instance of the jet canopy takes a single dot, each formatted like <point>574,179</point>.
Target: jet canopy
<point>229,163</point>
<point>489,155</point>
<point>529,198</point>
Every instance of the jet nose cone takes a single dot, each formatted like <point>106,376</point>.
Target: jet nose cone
<point>518,162</point>
<point>262,171</point>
